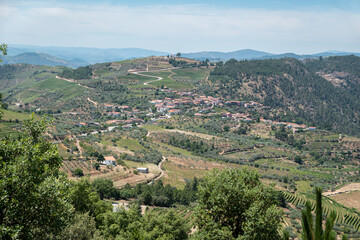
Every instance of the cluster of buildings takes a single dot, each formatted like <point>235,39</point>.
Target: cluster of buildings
<point>185,100</point>
<point>173,106</point>
<point>247,118</point>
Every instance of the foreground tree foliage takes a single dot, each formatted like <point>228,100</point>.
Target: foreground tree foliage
<point>130,224</point>
<point>3,51</point>
<point>309,233</point>
<point>33,193</point>
<point>83,227</point>
<point>85,199</point>
<point>234,204</point>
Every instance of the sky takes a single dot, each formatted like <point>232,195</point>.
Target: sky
<point>275,26</point>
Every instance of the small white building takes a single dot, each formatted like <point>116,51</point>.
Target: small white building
<point>110,160</point>
<point>143,170</point>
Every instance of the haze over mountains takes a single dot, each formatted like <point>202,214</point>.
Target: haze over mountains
<point>253,54</point>
<point>74,56</point>
<point>80,56</point>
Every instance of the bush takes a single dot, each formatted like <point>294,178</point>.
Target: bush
<point>105,188</point>
<point>298,160</point>
<point>78,172</point>
<point>96,165</point>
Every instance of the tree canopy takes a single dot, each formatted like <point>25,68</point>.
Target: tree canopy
<point>33,193</point>
<point>234,204</point>
<point>3,50</point>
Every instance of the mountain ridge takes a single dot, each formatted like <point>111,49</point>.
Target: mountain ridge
<point>250,54</point>
<point>85,56</point>
<point>38,58</point>
<point>81,56</point>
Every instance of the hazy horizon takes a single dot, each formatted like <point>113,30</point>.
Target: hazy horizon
<point>173,52</point>
<point>185,26</point>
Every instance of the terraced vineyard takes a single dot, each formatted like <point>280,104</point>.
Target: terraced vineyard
<point>344,215</point>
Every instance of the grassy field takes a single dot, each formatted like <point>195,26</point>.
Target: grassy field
<point>11,115</point>
<point>190,74</point>
<point>131,144</point>
<point>51,89</point>
<point>351,199</point>
<point>52,84</point>
<point>167,81</point>
<point>9,121</point>
<point>134,79</point>
<point>6,129</point>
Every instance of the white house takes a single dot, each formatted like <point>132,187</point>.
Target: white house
<point>110,160</point>
<point>143,170</point>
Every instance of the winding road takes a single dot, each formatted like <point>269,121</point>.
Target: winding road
<point>161,171</point>
<point>147,83</point>
<point>140,73</point>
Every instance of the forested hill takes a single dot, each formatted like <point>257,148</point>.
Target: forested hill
<point>324,91</point>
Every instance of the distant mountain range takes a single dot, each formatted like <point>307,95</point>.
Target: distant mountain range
<point>36,58</point>
<point>78,56</point>
<point>73,56</point>
<point>253,54</point>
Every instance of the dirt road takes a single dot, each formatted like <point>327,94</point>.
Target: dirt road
<point>140,73</point>
<point>147,83</point>
<point>161,171</point>
<point>345,189</point>
<point>73,81</point>
<point>95,103</point>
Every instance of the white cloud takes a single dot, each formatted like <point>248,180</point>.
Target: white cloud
<point>180,28</point>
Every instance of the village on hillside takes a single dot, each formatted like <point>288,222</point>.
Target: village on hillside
<point>202,107</point>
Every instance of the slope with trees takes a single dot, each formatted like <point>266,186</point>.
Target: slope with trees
<point>294,86</point>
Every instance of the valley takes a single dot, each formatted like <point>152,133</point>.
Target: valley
<point>181,118</point>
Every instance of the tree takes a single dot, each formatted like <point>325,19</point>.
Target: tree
<point>104,187</point>
<point>146,197</point>
<point>1,106</point>
<point>100,158</point>
<point>130,224</point>
<point>85,199</point>
<point>3,50</point>
<point>235,202</point>
<point>298,160</point>
<point>82,228</point>
<point>78,172</point>
<point>33,193</point>
<point>165,226</point>
<point>308,232</point>
<point>178,54</point>
<point>96,165</point>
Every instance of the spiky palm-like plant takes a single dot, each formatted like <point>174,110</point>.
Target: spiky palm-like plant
<point>309,233</point>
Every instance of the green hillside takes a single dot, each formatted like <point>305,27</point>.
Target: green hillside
<point>11,121</point>
<point>239,115</point>
<point>297,87</point>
